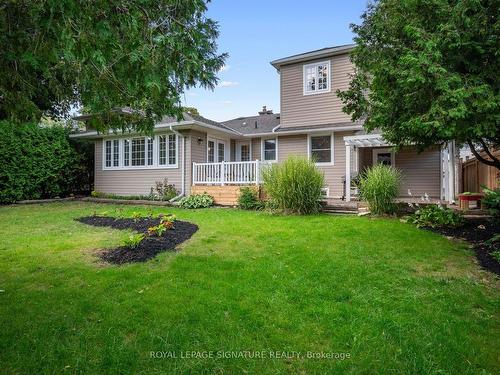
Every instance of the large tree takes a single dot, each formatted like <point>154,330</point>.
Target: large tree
<point>104,55</point>
<point>427,72</point>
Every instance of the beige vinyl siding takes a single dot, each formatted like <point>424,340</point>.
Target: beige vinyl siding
<point>298,109</point>
<point>256,149</point>
<point>132,181</point>
<point>297,145</point>
<point>421,172</point>
<point>196,153</point>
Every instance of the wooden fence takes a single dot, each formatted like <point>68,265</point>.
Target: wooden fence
<point>475,174</point>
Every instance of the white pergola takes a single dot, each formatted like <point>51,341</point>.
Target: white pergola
<point>448,165</point>
<point>363,140</point>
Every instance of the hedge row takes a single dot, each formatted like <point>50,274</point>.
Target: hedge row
<point>42,162</point>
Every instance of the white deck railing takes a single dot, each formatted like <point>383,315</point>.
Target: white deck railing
<point>227,172</point>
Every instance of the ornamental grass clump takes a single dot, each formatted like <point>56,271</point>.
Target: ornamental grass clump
<point>294,186</point>
<point>379,187</point>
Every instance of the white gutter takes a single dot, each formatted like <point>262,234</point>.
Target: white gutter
<point>183,172</point>
<point>306,131</point>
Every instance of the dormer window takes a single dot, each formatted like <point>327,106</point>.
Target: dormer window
<point>317,78</point>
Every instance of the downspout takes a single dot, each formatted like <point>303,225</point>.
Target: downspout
<point>183,172</point>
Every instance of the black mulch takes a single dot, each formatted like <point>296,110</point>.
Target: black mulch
<point>150,246</point>
<point>476,231</point>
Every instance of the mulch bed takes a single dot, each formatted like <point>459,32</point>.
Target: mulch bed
<point>476,231</point>
<point>150,246</point>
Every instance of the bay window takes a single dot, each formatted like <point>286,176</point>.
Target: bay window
<point>141,152</point>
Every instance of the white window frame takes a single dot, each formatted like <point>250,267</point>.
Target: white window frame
<point>216,142</point>
<point>238,145</point>
<point>156,153</point>
<point>332,151</point>
<point>328,78</point>
<point>262,150</point>
<point>386,150</point>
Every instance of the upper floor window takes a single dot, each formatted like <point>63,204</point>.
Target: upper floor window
<point>317,78</point>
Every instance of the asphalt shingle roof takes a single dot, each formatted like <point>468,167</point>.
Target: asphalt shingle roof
<point>254,124</point>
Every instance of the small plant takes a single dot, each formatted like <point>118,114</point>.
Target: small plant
<point>491,201</point>
<point>103,213</point>
<point>119,213</point>
<point>163,191</point>
<point>170,218</point>
<point>197,201</point>
<point>294,186</point>
<point>133,240</point>
<point>166,223</point>
<point>379,186</point>
<point>136,215</point>
<point>249,200</point>
<point>434,215</point>
<point>157,230</point>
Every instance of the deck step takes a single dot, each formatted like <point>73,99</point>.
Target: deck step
<point>340,212</point>
<point>340,209</point>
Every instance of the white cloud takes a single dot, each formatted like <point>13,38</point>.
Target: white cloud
<point>226,102</point>
<point>228,84</point>
<point>225,68</point>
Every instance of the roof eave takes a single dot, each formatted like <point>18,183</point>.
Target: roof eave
<point>160,126</point>
<point>326,52</point>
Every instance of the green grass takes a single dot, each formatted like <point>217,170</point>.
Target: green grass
<point>399,300</point>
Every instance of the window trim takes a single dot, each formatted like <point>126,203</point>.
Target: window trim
<point>385,150</point>
<point>328,78</point>
<point>262,150</point>
<point>216,141</point>
<point>332,150</point>
<point>156,153</point>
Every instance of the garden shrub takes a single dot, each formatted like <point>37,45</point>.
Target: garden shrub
<point>294,185</point>
<point>379,187</point>
<point>249,199</point>
<point>163,191</point>
<point>197,201</point>
<point>42,162</point>
<point>491,201</point>
<point>434,215</point>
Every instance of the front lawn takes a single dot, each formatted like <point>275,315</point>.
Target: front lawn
<point>394,298</point>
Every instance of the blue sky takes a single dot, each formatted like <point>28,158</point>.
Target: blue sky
<point>256,32</point>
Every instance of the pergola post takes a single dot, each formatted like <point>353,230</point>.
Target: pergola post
<point>451,172</point>
<point>347,173</point>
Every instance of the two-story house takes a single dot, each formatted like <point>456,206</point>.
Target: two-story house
<point>198,154</point>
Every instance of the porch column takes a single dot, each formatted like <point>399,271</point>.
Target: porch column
<point>348,173</point>
<point>451,172</point>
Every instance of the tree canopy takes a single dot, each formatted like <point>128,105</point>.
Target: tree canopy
<point>104,55</point>
<point>427,72</point>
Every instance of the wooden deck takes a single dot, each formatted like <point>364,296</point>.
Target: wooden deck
<point>224,195</point>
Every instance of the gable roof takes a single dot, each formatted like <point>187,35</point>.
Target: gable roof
<point>316,54</point>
